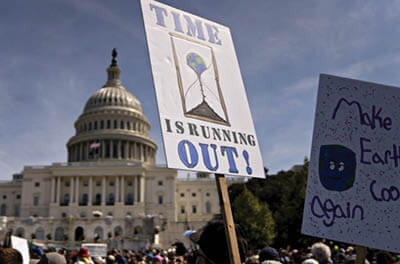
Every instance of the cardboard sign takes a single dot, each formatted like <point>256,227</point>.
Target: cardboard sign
<point>205,117</point>
<point>96,250</point>
<point>21,245</point>
<point>353,190</point>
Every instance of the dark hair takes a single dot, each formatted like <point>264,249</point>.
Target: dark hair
<point>213,243</point>
<point>10,255</point>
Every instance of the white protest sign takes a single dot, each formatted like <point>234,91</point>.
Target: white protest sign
<point>205,117</point>
<point>21,245</point>
<point>354,175</point>
<point>96,250</point>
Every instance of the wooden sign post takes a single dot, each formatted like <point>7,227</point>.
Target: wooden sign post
<point>229,224</point>
<point>361,254</point>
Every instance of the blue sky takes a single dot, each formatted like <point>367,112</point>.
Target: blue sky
<point>54,53</point>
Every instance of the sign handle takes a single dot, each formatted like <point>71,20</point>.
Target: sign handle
<point>229,224</point>
<point>361,254</point>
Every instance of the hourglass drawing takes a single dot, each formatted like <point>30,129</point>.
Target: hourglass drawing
<point>198,80</point>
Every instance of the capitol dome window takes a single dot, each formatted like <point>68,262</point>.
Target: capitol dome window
<point>84,199</point>
<point>122,124</point>
<point>66,199</point>
<point>84,127</point>
<point>115,151</point>
<point>99,232</point>
<point>98,199</point>
<point>108,124</point>
<point>3,210</point>
<point>39,233</point>
<point>95,125</point>
<point>118,231</point>
<point>35,200</point>
<point>208,207</point>
<point>128,125</point>
<point>115,124</point>
<point>111,199</point>
<point>59,234</point>
<point>101,124</point>
<point>160,199</point>
<point>20,232</point>
<point>129,199</point>
<point>90,126</point>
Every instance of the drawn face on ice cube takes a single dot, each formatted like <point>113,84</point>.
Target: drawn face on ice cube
<point>337,167</point>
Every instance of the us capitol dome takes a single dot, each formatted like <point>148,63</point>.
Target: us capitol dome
<point>112,126</point>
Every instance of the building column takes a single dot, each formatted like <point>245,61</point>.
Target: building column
<point>71,191</point>
<point>136,188</point>
<point>142,187</point>
<point>117,189</point>
<point>122,199</point>
<point>90,190</point>
<point>141,152</point>
<point>58,190</point>
<point>77,190</point>
<point>53,188</point>
<point>103,191</point>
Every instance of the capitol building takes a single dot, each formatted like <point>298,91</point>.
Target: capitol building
<point>110,190</point>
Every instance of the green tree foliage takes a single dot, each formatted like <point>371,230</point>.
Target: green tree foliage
<point>255,219</point>
<point>284,193</point>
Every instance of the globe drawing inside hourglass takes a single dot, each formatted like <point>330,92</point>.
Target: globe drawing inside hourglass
<point>198,65</point>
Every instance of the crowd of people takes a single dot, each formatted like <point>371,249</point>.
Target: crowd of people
<point>210,248</point>
<point>318,253</point>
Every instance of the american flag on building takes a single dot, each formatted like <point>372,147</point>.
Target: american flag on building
<point>95,145</point>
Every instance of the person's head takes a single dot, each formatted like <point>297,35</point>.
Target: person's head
<point>52,258</point>
<point>10,255</point>
<point>213,248</point>
<point>321,252</point>
<point>268,253</point>
<point>383,257</point>
<point>310,261</point>
<point>84,253</point>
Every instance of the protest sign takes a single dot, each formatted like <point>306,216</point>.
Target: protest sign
<point>205,117</point>
<point>21,245</point>
<point>96,249</point>
<point>354,176</point>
